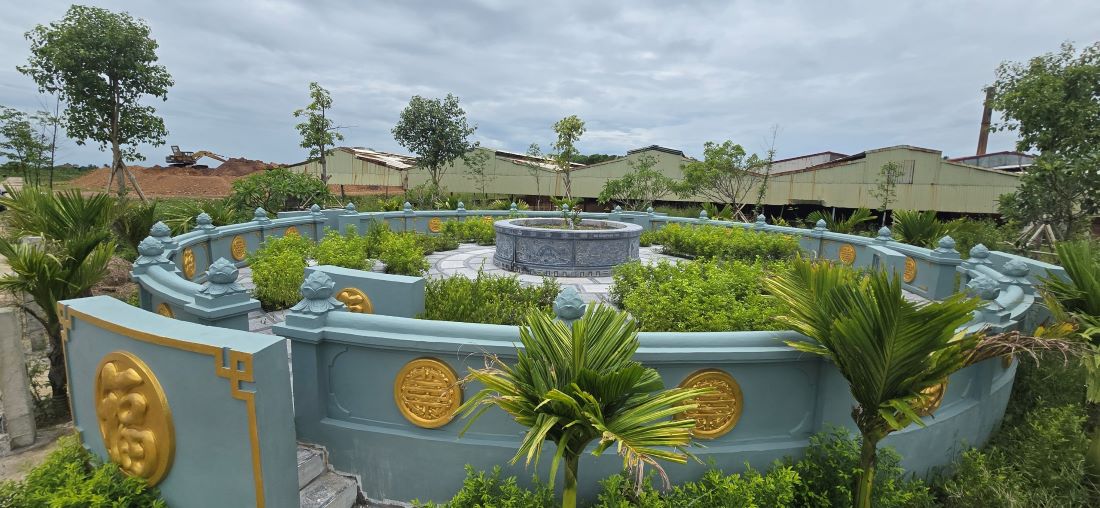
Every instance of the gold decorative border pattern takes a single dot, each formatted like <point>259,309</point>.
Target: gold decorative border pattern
<point>718,412</point>
<point>189,263</point>
<point>910,273</point>
<point>238,248</point>
<point>427,392</point>
<point>164,310</point>
<point>847,254</point>
<point>235,366</point>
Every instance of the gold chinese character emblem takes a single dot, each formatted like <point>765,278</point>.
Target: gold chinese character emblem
<point>910,270</point>
<point>292,231</point>
<point>427,392</point>
<point>188,263</point>
<point>435,225</point>
<point>164,310</point>
<point>134,418</point>
<point>356,300</point>
<point>717,413</point>
<point>487,219</point>
<point>847,254</point>
<point>933,398</point>
<point>238,248</point>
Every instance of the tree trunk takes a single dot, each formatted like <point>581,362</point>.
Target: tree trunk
<point>569,490</point>
<point>866,479</point>
<point>58,381</point>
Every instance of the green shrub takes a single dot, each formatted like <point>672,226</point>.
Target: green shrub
<point>487,490</point>
<point>436,243</point>
<point>715,242</point>
<point>830,467</point>
<point>1038,463</point>
<point>650,237</point>
<point>922,229</point>
<point>377,233</point>
<point>403,254</point>
<point>697,296</point>
<point>277,190</point>
<point>775,489</point>
<point>970,232</point>
<point>500,300</point>
<point>472,230</point>
<point>345,250</point>
<point>278,269</point>
<point>180,215</point>
<point>72,477</point>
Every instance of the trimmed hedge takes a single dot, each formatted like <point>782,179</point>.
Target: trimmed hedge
<point>697,296</point>
<point>499,300</point>
<point>724,243</point>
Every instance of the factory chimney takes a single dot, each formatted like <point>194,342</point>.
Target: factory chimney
<point>987,117</point>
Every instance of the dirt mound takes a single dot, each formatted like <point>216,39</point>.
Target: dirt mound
<point>241,167</point>
<point>160,181</point>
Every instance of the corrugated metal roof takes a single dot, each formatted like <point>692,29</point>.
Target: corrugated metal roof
<point>389,160</point>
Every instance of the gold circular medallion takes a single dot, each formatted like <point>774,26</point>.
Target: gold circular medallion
<point>238,248</point>
<point>435,225</point>
<point>847,254</point>
<point>356,300</point>
<point>718,412</point>
<point>487,219</point>
<point>934,398</point>
<point>427,393</point>
<point>164,310</point>
<point>910,270</point>
<point>188,263</point>
<point>134,419</point>
<point>292,231</point>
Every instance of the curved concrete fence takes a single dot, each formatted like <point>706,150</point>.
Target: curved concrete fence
<point>379,390</point>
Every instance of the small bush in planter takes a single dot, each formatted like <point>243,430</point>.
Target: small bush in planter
<point>499,300</point>
<point>403,254</point>
<point>697,296</point>
<point>345,250</point>
<point>715,242</point>
<point>278,269</point>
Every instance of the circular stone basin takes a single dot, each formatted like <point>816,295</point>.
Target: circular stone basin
<point>545,247</point>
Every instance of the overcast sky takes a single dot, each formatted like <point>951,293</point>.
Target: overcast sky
<point>840,76</point>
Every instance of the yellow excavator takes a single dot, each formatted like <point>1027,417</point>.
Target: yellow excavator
<point>181,159</point>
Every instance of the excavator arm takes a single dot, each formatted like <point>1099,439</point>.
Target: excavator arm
<point>203,153</point>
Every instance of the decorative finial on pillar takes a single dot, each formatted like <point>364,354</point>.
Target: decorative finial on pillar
<point>317,292</point>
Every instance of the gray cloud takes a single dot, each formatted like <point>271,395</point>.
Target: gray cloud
<point>843,76</point>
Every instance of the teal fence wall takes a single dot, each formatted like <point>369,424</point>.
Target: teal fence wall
<point>204,413</point>
<point>349,367</point>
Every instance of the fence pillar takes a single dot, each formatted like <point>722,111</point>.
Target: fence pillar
<point>18,428</point>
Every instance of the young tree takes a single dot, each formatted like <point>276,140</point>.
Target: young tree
<point>886,186</point>
<point>478,161</point>
<point>641,187</point>
<point>22,144</point>
<point>889,349</point>
<point>569,130</point>
<point>436,131</point>
<point>725,175</point>
<point>536,169</point>
<point>1053,102</point>
<point>101,64</point>
<point>579,383</point>
<point>318,132</point>
<point>762,189</point>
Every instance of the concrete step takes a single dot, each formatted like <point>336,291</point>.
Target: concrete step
<point>329,490</point>
<point>311,463</point>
